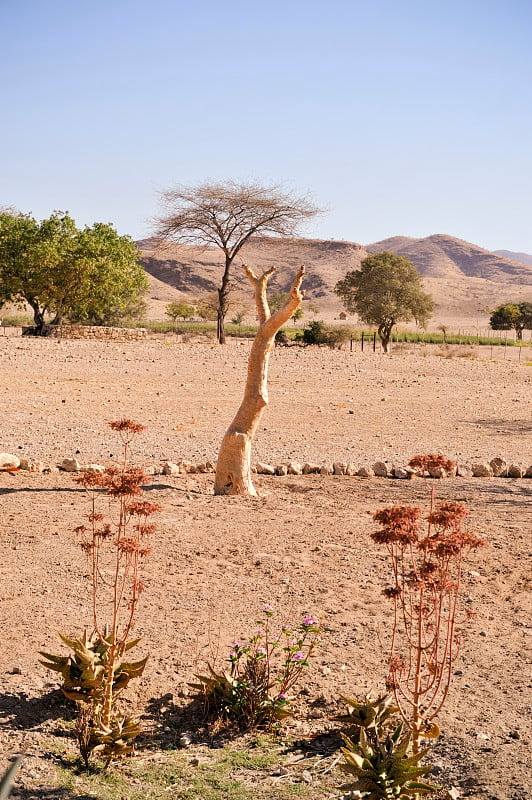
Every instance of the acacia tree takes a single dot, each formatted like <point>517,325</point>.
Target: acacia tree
<point>384,291</point>
<point>227,214</point>
<point>233,469</point>
<point>512,315</point>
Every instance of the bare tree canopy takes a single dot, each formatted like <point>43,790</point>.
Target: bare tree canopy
<point>226,215</point>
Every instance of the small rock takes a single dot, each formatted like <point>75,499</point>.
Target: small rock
<point>8,461</point>
<point>498,467</point>
<point>194,762</point>
<point>264,469</point>
<point>306,776</point>
<point>464,471</point>
<point>311,469</point>
<point>281,469</point>
<point>70,465</point>
<point>380,469</point>
<point>169,468</point>
<point>365,472</point>
<point>339,468</point>
<point>481,469</point>
<point>452,794</point>
<point>185,739</point>
<point>16,670</point>
<point>294,468</point>
<point>326,469</point>
<point>401,473</point>
<point>92,468</point>
<point>516,471</point>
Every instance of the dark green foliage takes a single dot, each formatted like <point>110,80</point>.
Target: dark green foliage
<point>512,316</point>
<point>91,275</point>
<point>387,289</point>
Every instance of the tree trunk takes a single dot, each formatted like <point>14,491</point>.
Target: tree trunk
<point>223,301</point>
<point>233,470</point>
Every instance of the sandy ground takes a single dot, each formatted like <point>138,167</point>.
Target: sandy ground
<point>304,545</point>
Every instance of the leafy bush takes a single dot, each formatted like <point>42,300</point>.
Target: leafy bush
<point>254,691</point>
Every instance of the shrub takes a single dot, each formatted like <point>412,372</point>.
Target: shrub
<point>254,691</point>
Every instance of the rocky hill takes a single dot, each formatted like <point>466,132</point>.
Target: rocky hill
<point>523,258</point>
<point>442,256</point>
<point>465,280</point>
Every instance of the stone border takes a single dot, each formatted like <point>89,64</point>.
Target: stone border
<point>496,468</point>
<point>104,332</point>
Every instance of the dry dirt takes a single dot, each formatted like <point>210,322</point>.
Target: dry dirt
<point>304,545</point>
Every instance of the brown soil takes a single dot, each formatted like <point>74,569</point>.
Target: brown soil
<point>303,546</point>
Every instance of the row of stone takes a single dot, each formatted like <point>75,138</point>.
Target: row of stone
<point>496,468</point>
<point>94,332</point>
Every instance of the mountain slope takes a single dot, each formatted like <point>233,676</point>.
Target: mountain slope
<point>523,258</point>
<point>443,256</point>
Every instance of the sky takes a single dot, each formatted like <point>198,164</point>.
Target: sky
<point>397,118</point>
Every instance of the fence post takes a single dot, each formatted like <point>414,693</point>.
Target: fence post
<point>374,342</point>
<point>362,341</point>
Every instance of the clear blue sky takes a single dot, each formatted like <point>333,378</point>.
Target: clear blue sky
<point>402,118</point>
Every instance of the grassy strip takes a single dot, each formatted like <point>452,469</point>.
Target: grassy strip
<point>203,773</point>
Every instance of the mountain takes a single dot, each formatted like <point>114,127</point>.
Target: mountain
<point>523,258</point>
<point>442,256</point>
<point>464,280</point>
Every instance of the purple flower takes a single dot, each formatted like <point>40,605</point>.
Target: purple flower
<point>281,696</point>
<point>267,608</point>
<point>308,622</point>
<point>260,650</point>
<point>260,632</point>
<point>299,656</point>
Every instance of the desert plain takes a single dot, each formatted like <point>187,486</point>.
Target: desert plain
<point>303,545</point>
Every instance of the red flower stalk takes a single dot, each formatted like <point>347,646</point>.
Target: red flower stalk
<point>426,583</point>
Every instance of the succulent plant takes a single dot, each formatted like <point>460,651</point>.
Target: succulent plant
<point>83,671</point>
<point>375,715</point>
<point>383,769</point>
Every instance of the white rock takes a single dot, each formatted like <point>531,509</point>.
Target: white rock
<point>169,468</point>
<point>92,468</point>
<point>528,473</point>
<point>264,469</point>
<point>294,468</point>
<point>7,461</point>
<point>311,469</point>
<point>401,472</point>
<point>326,469</point>
<point>481,469</point>
<point>498,467</point>
<point>31,466</point>
<point>365,472</point>
<point>380,469</point>
<point>281,469</point>
<point>70,465</point>
<point>339,468</point>
<point>351,469</point>
<point>516,471</point>
<point>464,471</point>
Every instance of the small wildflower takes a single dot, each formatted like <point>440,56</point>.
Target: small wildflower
<point>299,656</point>
<point>309,622</point>
<point>267,608</point>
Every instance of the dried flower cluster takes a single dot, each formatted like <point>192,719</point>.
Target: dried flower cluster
<point>426,555</point>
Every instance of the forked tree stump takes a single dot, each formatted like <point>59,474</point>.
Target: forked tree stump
<point>233,469</point>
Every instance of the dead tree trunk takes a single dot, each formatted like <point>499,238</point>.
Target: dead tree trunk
<point>233,470</point>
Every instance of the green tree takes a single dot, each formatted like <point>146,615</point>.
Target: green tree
<point>178,308</point>
<point>511,315</point>
<point>297,315</point>
<point>227,215</point>
<point>91,275</point>
<point>384,291</point>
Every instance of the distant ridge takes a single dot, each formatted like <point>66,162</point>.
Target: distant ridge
<point>443,256</point>
<point>523,258</point>
<point>465,281</point>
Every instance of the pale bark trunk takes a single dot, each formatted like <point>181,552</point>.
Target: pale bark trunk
<point>233,470</point>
